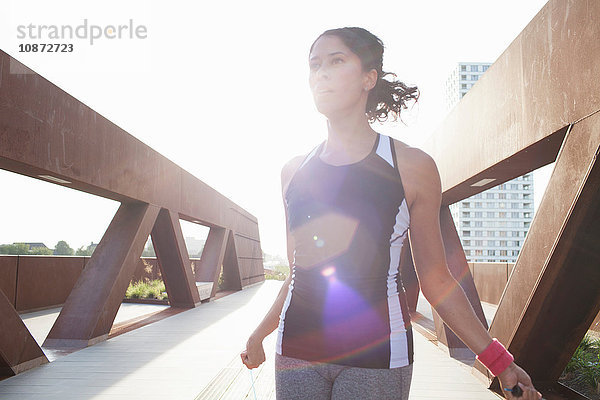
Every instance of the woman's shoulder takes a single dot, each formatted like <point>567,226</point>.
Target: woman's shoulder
<point>290,167</point>
<point>417,170</point>
<point>407,154</point>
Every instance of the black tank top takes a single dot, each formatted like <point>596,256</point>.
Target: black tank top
<point>346,304</point>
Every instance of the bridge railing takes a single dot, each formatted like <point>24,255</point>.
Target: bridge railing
<point>47,134</point>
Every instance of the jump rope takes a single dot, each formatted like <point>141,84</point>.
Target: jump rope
<point>252,380</point>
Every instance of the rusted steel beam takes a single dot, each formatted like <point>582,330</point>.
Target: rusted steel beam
<point>457,264</point>
<point>236,268</point>
<point>212,258</point>
<point>174,261</point>
<point>18,349</point>
<point>46,131</point>
<point>90,309</point>
<point>514,119</point>
<point>552,296</point>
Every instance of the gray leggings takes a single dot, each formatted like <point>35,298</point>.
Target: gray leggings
<point>297,379</point>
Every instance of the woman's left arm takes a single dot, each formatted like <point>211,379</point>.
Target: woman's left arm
<point>437,283</point>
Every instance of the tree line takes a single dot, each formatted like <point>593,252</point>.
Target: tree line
<point>62,248</point>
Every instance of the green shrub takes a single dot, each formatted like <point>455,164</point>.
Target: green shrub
<point>154,289</point>
<point>584,366</point>
<point>280,273</point>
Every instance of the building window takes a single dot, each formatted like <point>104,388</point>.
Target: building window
<point>514,186</point>
<point>503,253</point>
<point>474,68</point>
<point>502,214</point>
<point>479,223</point>
<point>526,215</point>
<point>463,67</point>
<point>466,214</point>
<point>478,214</point>
<point>489,195</point>
<point>485,67</point>
<point>466,223</point>
<point>463,85</point>
<point>490,214</point>
<point>479,243</point>
<point>514,205</point>
<point>491,233</point>
<point>466,242</point>
<point>491,205</point>
<point>502,195</point>
<point>478,233</point>
<point>463,77</point>
<point>466,233</point>
<point>514,215</point>
<point>477,204</point>
<point>502,204</point>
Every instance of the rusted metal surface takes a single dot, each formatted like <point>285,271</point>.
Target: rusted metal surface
<point>8,277</point>
<point>44,130</point>
<point>45,281</point>
<point>558,267</point>
<point>457,264</point>
<point>47,134</point>
<point>513,121</point>
<point>212,258</point>
<point>89,312</point>
<point>18,349</point>
<point>514,118</point>
<point>174,261</point>
<point>490,278</point>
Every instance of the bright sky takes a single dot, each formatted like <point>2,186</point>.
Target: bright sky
<point>221,89</point>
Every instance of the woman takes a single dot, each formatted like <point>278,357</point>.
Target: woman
<point>343,325</point>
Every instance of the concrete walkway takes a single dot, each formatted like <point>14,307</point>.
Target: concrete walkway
<point>195,355</point>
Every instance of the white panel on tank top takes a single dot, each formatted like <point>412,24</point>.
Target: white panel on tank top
<point>384,149</point>
<point>312,153</point>
<point>398,334</point>
<point>280,328</point>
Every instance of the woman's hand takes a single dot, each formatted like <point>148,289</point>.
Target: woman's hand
<point>254,355</point>
<point>514,375</point>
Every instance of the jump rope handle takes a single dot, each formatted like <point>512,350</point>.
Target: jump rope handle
<point>516,390</point>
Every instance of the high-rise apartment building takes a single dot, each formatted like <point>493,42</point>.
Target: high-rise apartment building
<point>492,225</point>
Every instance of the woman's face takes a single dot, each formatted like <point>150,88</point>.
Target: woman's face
<point>336,78</point>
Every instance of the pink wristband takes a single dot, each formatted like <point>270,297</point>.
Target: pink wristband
<point>495,357</point>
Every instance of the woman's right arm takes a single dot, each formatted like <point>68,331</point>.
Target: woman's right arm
<point>254,354</point>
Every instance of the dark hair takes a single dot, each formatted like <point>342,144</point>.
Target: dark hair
<point>387,97</point>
